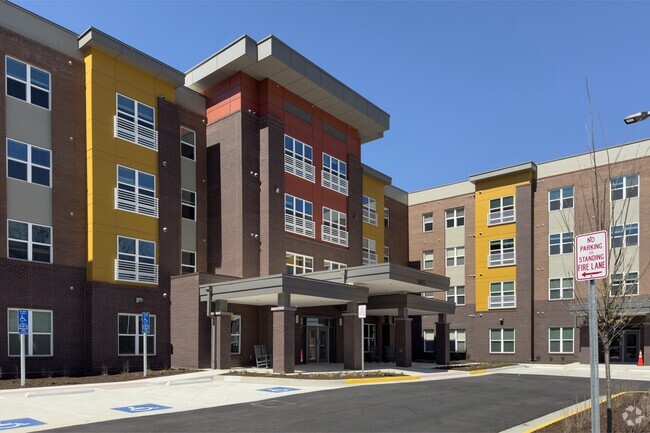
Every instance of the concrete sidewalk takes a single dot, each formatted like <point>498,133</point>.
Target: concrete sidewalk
<point>63,406</point>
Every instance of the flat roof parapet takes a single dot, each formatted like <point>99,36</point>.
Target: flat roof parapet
<point>273,59</point>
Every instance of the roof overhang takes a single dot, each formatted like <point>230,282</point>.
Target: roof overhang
<point>93,38</point>
<point>415,305</point>
<point>386,278</point>
<point>273,59</point>
<point>506,171</point>
<point>304,292</point>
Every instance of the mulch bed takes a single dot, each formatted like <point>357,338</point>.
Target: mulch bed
<point>315,376</point>
<point>630,414</point>
<point>80,380</point>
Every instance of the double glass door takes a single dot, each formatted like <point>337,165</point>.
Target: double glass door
<point>626,347</point>
<point>317,344</point>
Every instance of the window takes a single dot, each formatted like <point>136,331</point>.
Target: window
<point>427,222</point>
<point>630,284</point>
<point>455,256</point>
<point>428,295</point>
<point>136,192</point>
<point>429,337</point>
<point>334,174</point>
<point>369,337</point>
<point>457,341</point>
<point>298,159</point>
<point>502,210</point>
<point>28,83</point>
<point>235,334</point>
<point>502,340</point>
<point>386,254</point>
<point>39,341</point>
<point>455,217</point>
<point>27,241</point>
<point>134,122</point>
<point>386,217</point>
<point>502,295</point>
<point>369,251</point>
<point>625,236</point>
<point>624,187</point>
<point>561,198</point>
<point>298,264</point>
<point>502,252</point>
<point>369,209</point>
<point>427,259</point>
<point>298,216</point>
<point>330,265</point>
<point>560,288</point>
<point>188,204</point>
<point>188,143</point>
<point>136,260</point>
<point>560,243</point>
<point>188,262</point>
<point>130,336</point>
<point>456,294</point>
<point>560,340</point>
<point>334,227</point>
<point>28,163</point>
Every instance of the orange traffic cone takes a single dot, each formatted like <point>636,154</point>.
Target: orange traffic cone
<point>640,361</point>
<point>302,357</point>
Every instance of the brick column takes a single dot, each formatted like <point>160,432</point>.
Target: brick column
<point>403,356</point>
<point>351,341</point>
<point>284,339</point>
<point>442,341</point>
<point>645,340</point>
<point>222,339</point>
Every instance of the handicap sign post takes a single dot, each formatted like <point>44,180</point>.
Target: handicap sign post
<point>146,329</point>
<point>23,329</point>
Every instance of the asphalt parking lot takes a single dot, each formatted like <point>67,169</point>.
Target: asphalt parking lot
<point>489,403</point>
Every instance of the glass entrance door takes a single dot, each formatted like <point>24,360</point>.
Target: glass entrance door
<point>631,339</point>
<point>317,344</point>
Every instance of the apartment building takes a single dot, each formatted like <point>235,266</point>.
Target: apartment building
<point>505,240</point>
<point>228,202</point>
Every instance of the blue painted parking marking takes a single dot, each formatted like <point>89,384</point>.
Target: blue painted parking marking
<point>10,424</point>
<point>141,408</point>
<point>279,389</point>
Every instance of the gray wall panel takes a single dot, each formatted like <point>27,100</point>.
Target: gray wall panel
<point>28,202</point>
<point>188,235</point>
<point>188,174</point>
<point>28,123</point>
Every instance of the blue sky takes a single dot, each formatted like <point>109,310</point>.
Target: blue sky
<point>470,86</point>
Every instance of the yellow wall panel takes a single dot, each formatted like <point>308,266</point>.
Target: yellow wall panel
<point>374,188</point>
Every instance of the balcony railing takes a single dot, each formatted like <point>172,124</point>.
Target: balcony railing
<point>134,202</point>
<point>138,134</point>
<point>501,217</point>
<point>502,301</point>
<point>299,168</point>
<point>334,182</point>
<point>504,258</point>
<point>369,257</point>
<point>300,226</point>
<point>126,270</point>
<point>369,216</point>
<point>335,236</point>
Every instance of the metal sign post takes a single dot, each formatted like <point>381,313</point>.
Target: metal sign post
<point>592,263</point>
<point>23,329</point>
<point>146,329</point>
<point>362,316</point>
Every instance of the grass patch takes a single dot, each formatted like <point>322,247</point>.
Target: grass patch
<point>478,365</point>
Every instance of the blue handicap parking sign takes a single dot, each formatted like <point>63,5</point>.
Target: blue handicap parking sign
<point>23,321</point>
<point>146,323</point>
<point>279,389</point>
<point>141,408</point>
<point>10,424</point>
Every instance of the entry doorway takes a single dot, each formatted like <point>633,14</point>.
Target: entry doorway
<point>626,347</point>
<point>319,336</point>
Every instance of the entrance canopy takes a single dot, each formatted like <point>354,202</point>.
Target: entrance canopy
<point>387,288</point>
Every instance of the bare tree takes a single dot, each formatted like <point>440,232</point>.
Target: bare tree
<point>609,196</point>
